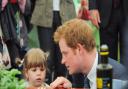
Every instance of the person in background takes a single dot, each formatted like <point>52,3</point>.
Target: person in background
<point>111,16</point>
<point>79,54</point>
<point>47,16</point>
<point>35,67</point>
<point>28,14</point>
<point>14,28</point>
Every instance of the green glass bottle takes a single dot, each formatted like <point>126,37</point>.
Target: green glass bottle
<point>104,70</point>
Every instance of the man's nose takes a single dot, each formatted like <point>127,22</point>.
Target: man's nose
<point>62,61</point>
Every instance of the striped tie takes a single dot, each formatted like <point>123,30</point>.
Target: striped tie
<point>86,83</point>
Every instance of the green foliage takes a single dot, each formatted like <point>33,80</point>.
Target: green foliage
<point>9,81</point>
<point>96,34</point>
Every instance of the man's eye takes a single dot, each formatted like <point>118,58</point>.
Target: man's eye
<point>64,53</point>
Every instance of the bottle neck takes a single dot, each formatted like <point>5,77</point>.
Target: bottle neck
<point>104,59</point>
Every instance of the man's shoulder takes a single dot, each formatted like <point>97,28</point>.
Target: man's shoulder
<point>115,63</point>
<point>119,71</point>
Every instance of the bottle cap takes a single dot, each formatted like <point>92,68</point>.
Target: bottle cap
<point>104,50</point>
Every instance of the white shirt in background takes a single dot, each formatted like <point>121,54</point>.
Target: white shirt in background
<point>56,5</point>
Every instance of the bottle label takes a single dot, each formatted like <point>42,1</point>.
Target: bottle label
<point>104,83</point>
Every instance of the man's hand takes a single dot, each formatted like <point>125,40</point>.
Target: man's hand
<point>61,82</point>
<point>4,3</point>
<point>83,12</point>
<point>95,17</point>
<point>22,4</point>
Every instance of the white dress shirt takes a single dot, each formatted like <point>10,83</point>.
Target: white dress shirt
<point>56,5</point>
<point>92,74</point>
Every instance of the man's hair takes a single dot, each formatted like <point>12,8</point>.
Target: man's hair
<point>76,31</point>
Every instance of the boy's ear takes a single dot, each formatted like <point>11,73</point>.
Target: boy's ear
<point>25,74</point>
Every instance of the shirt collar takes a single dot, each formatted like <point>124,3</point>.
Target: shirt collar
<point>92,74</point>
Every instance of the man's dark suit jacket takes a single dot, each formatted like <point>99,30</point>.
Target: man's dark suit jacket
<point>105,9</point>
<point>119,72</point>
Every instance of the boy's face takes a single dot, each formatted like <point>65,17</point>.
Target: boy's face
<point>36,76</point>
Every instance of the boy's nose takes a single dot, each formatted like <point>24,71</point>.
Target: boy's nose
<point>38,72</point>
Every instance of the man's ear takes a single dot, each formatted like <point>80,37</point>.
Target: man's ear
<point>80,48</point>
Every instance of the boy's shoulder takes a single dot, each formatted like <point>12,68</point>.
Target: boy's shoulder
<point>46,86</point>
<point>43,86</point>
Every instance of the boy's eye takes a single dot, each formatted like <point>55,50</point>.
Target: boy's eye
<point>42,69</point>
<point>33,69</point>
